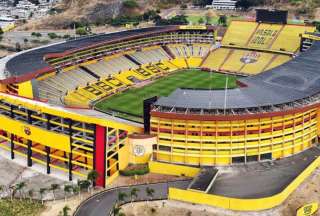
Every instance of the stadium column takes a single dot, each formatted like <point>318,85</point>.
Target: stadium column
<point>47,148</point>
<point>70,154</point>
<point>12,136</point>
<point>29,142</point>
<point>99,160</point>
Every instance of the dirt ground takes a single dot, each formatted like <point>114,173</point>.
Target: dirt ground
<point>306,193</point>
<point>148,178</point>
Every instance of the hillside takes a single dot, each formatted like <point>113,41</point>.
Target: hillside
<point>70,11</point>
<point>96,12</point>
<point>101,11</point>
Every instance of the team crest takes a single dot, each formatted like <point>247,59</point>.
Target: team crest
<point>27,130</point>
<point>250,58</point>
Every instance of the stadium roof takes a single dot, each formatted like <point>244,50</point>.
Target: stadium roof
<point>28,64</point>
<point>292,81</point>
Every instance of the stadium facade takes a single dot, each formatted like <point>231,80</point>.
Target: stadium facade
<point>48,95</point>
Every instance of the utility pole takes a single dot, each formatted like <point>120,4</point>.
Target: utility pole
<point>225,95</point>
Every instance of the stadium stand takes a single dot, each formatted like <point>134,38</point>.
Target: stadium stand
<point>186,51</point>
<point>238,33</point>
<point>56,86</point>
<point>151,54</point>
<point>216,59</point>
<point>289,39</point>
<point>243,62</point>
<point>264,36</point>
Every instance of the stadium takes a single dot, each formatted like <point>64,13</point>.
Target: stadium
<point>176,97</point>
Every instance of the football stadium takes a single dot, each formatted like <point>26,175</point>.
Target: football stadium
<point>177,97</point>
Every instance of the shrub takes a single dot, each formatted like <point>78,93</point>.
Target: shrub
<point>317,24</point>
<point>52,35</point>
<point>141,171</point>
<point>130,4</point>
<point>36,34</point>
<point>81,31</point>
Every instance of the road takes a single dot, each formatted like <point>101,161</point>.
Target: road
<point>102,203</point>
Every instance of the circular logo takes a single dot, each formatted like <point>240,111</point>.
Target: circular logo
<point>138,150</point>
<point>250,58</point>
<point>27,130</point>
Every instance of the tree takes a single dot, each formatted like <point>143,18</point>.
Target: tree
<point>18,47</point>
<point>222,20</point>
<point>81,31</point>
<point>30,194</point>
<point>12,189</point>
<point>208,17</point>
<point>130,4</point>
<point>42,191</point>
<point>53,188</point>
<point>317,25</point>
<point>150,192</point>
<point>1,190</point>
<point>52,35</point>
<point>121,196</point>
<point>19,187</point>
<point>25,41</point>
<point>65,210</point>
<point>67,189</point>
<point>133,194</point>
<point>116,209</point>
<point>84,185</point>
<point>92,176</point>
<point>76,189</point>
<point>201,21</point>
<point>183,6</point>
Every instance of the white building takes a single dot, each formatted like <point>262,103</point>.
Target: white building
<point>223,5</point>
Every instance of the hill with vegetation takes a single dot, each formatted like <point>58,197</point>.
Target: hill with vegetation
<point>82,13</point>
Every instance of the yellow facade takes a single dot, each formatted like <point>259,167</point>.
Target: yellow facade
<point>25,89</point>
<point>223,142</point>
<point>172,169</point>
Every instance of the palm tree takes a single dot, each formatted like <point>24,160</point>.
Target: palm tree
<point>76,189</point>
<point>1,190</point>
<point>53,188</point>
<point>84,184</point>
<point>116,209</point>
<point>42,191</point>
<point>65,210</point>
<point>67,189</point>
<point>121,196</point>
<point>30,194</point>
<point>133,193</point>
<point>150,192</point>
<point>92,177</point>
<point>12,189</point>
<point>19,187</point>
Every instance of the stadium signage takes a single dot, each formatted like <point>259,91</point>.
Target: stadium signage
<point>308,209</point>
<point>193,27</point>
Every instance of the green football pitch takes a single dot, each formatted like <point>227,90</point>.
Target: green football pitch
<point>131,101</point>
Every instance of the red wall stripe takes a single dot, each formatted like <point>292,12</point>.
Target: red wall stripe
<point>100,145</point>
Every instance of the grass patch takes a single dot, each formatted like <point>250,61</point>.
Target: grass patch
<point>194,19</point>
<point>131,101</point>
<point>20,207</point>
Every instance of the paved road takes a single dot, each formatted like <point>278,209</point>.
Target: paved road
<point>265,179</point>
<point>102,203</point>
